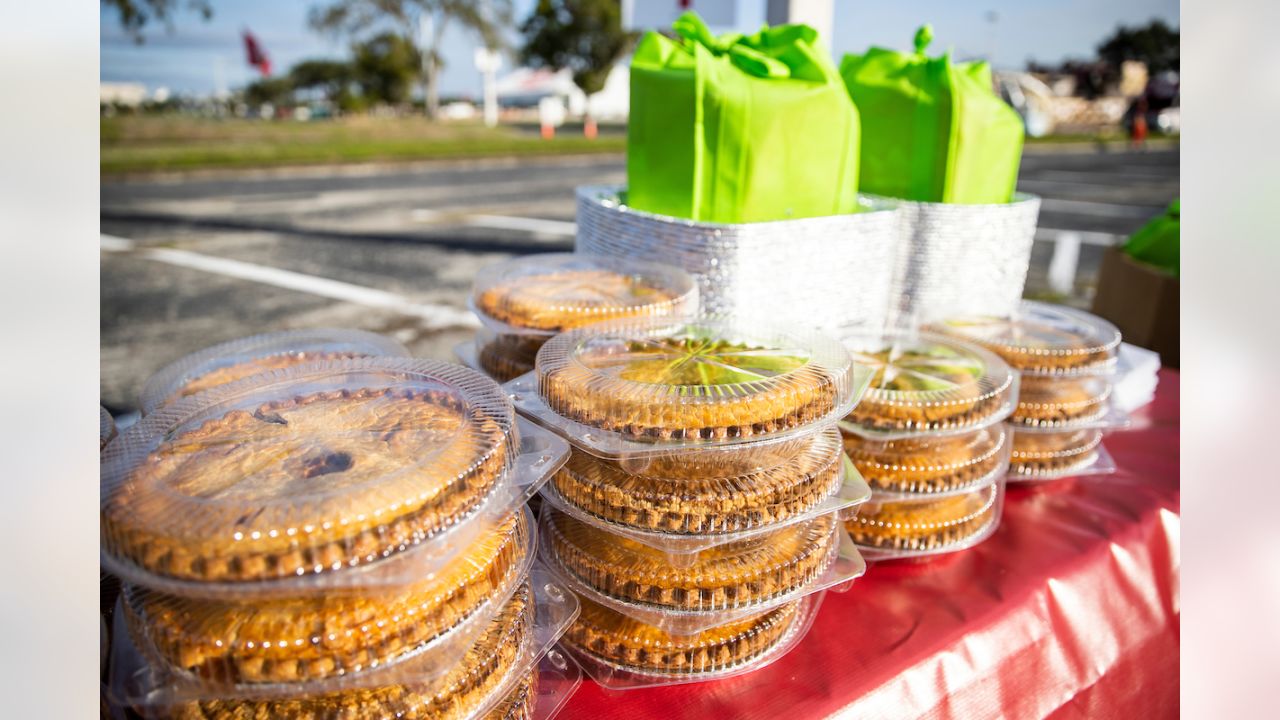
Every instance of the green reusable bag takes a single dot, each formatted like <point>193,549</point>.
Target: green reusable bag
<point>932,130</point>
<point>1158,242</point>
<point>736,129</point>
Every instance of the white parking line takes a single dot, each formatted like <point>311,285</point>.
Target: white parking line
<point>536,226</point>
<point>435,316</point>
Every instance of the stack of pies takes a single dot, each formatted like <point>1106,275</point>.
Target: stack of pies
<point>928,437</point>
<point>700,502</point>
<point>523,302</point>
<point>1066,359</point>
<point>341,539</point>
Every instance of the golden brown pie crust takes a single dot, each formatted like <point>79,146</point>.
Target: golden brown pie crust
<point>253,366</point>
<point>232,468</point>
<point>698,506</point>
<point>924,525</point>
<point>629,644</point>
<point>732,575</point>
<point>519,704</point>
<point>478,674</point>
<point>507,357</point>
<point>1048,401</point>
<point>927,465</point>
<point>537,301</point>
<point>1044,453</point>
<point>258,641</point>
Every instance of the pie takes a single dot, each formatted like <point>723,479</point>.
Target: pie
<point>929,464</point>
<point>306,484</point>
<point>466,687</point>
<point>1052,401</point>
<point>924,525</point>
<point>315,636</point>
<point>733,575</point>
<point>562,299</point>
<point>684,386</point>
<point>505,357</point>
<point>1043,339</point>
<point>929,385</point>
<point>632,645</point>
<point>519,704</point>
<point>1053,453</point>
<point>705,503</point>
<point>253,366</point>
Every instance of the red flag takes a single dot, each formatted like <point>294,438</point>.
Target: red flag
<point>257,56</point>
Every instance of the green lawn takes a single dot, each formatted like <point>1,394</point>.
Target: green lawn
<point>132,144</point>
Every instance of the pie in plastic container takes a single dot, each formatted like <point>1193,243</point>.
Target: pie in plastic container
<point>933,465</point>
<point>628,390</point>
<point>489,678</point>
<point>1051,455</point>
<point>546,294</point>
<point>238,359</point>
<point>927,384</point>
<point>925,525</point>
<point>619,652</point>
<point>323,476</point>
<point>1051,402</point>
<point>1043,339</point>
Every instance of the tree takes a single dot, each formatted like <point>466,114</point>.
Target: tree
<point>385,67</point>
<point>585,36</point>
<point>136,14</point>
<point>274,90</point>
<point>1156,45</point>
<point>356,17</point>
<point>332,77</point>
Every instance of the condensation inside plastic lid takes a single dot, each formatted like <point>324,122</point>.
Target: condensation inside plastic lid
<point>643,656</point>
<point>549,293</point>
<point>627,389</point>
<point>322,476</point>
<point>238,359</point>
<point>1044,339</point>
<point>521,642</point>
<point>597,501</point>
<point>924,383</point>
<point>930,465</point>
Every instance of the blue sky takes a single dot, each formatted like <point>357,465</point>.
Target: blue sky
<point>190,58</point>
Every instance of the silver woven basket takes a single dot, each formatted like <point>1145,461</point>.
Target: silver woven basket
<point>961,259</point>
<point>820,272</point>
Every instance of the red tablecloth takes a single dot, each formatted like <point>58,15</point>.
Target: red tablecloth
<point>1069,610</point>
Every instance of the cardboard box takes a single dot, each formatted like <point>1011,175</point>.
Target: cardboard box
<point>1142,301</point>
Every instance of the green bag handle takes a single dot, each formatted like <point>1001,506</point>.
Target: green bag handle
<point>924,36</point>
<point>692,28</point>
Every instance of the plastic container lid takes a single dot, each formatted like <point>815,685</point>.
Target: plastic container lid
<point>628,389</point>
<point>315,637</point>
<point>926,525</point>
<point>334,474</point>
<point>1041,456</point>
<point>238,359</point>
<point>542,692</point>
<point>504,357</point>
<point>550,293</point>
<point>925,383</point>
<point>1044,339</point>
<point>1062,403</point>
<point>511,645</point>
<point>106,427</point>
<point>930,465</point>
<point>621,653</point>
<point>679,507</point>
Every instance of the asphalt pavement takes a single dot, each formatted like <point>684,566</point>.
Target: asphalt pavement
<point>192,260</point>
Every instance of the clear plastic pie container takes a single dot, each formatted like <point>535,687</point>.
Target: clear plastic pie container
<point>925,525</point>
<point>550,293</point>
<point>1063,402</point>
<point>341,474</point>
<point>239,645</point>
<point>1052,455</point>
<point>238,359</point>
<point>543,691</point>
<point>684,515</point>
<point>927,383</point>
<point>628,390</point>
<point>931,465</point>
<point>1043,339</point>
<point>106,427</point>
<point>622,653</point>
<point>505,357</point>
<point>499,661</point>
<point>725,584</point>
